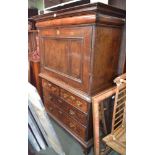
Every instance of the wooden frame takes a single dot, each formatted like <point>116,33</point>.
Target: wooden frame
<point>96,101</point>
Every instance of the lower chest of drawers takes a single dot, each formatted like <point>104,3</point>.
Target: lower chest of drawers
<point>67,108</point>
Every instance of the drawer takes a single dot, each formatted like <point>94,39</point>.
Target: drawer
<point>65,32</point>
<point>51,87</point>
<point>69,109</point>
<point>74,100</point>
<point>70,123</point>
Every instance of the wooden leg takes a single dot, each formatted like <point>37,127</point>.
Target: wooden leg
<point>96,128</point>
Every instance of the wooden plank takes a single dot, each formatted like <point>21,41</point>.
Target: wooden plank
<point>118,123</point>
<point>114,110</point>
<point>119,117</point>
<point>122,91</point>
<point>119,111</point>
<point>121,98</point>
<point>120,104</point>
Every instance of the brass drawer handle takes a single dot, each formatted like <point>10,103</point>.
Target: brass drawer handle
<point>72,98</point>
<point>78,103</point>
<point>65,95</point>
<point>71,125</point>
<point>71,112</point>
<point>58,32</point>
<point>50,97</point>
<point>60,112</point>
<point>59,101</point>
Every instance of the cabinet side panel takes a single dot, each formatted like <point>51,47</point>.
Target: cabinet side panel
<point>106,55</point>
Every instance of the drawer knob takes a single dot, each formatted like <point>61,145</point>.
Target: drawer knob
<point>72,98</point>
<point>71,112</point>
<point>58,32</point>
<point>55,15</point>
<point>78,103</point>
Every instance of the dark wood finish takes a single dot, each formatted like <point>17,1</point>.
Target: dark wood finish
<point>66,96</point>
<point>72,105</point>
<point>51,87</point>
<point>105,57</point>
<point>73,67</point>
<point>79,58</point>
<point>74,100</point>
<point>70,63</point>
<point>85,144</point>
<point>70,123</point>
<point>68,108</point>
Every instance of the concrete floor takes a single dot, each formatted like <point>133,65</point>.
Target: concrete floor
<point>69,144</point>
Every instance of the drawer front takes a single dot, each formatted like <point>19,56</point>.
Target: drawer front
<point>65,55</point>
<point>71,124</point>
<point>74,100</point>
<point>69,109</point>
<point>50,87</point>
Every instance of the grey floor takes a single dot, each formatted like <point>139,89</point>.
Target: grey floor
<point>70,146</point>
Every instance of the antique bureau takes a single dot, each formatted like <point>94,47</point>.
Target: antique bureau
<point>79,49</point>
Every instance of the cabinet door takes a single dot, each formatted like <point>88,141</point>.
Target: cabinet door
<point>65,54</point>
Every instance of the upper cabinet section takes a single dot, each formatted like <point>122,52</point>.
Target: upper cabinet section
<point>79,46</point>
<point>65,54</point>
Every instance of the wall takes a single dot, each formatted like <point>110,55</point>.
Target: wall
<point>102,1</point>
<point>118,3</point>
<point>36,3</point>
<point>122,60</point>
<point>40,3</point>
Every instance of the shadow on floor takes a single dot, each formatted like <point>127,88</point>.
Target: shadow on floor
<point>69,144</point>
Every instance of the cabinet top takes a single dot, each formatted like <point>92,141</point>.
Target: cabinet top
<point>91,8</point>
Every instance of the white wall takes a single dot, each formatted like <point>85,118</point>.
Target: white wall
<point>35,3</point>
<point>102,1</point>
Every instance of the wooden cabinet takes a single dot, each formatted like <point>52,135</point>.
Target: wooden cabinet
<point>79,49</point>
